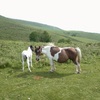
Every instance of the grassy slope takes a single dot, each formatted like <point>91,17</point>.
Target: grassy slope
<point>11,29</point>
<point>87,35</point>
<point>85,40</point>
<point>63,84</point>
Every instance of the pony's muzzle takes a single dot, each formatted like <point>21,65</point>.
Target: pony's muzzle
<point>37,58</point>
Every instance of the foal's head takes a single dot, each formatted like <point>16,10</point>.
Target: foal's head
<point>38,51</point>
<point>31,47</point>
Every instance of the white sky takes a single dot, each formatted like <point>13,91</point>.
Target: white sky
<point>82,15</point>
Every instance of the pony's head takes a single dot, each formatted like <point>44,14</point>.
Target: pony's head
<point>38,51</point>
<point>31,47</point>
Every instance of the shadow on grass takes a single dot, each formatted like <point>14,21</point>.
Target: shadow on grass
<point>44,74</point>
<point>52,74</point>
<point>5,65</point>
<point>24,74</point>
<point>14,66</point>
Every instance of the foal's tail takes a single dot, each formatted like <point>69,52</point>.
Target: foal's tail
<point>79,53</point>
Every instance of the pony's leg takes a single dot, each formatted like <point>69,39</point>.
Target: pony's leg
<point>76,62</point>
<point>78,69</point>
<point>52,65</point>
<point>28,63</point>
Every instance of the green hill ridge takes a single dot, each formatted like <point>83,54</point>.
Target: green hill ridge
<point>13,29</point>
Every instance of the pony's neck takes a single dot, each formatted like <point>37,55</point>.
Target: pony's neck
<point>44,50</point>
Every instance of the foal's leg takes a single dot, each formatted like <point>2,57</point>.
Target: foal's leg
<point>31,61</point>
<point>52,65</point>
<point>28,63</point>
<point>22,63</point>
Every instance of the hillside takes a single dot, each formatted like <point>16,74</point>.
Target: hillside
<point>13,29</point>
<point>87,35</point>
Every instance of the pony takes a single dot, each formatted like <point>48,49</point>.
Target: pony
<point>60,55</point>
<point>27,55</point>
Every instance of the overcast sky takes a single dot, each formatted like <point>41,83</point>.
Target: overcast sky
<point>82,15</point>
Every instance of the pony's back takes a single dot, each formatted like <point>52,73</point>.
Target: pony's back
<point>50,44</point>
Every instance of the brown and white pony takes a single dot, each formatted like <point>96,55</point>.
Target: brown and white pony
<point>60,55</point>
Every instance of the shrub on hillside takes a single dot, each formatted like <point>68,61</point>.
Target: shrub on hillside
<point>64,41</point>
<point>40,37</point>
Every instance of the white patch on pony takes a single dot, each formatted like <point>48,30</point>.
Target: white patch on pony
<point>46,51</point>
<point>56,56</point>
<point>66,47</point>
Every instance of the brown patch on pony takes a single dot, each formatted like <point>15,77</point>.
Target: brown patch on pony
<point>62,56</point>
<point>54,50</point>
<point>69,53</point>
<point>72,54</point>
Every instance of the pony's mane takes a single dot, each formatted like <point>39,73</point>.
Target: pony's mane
<point>50,44</point>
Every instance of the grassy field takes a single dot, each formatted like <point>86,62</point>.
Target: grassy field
<point>40,84</point>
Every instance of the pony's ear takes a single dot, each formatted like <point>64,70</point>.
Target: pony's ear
<point>39,47</point>
<point>35,46</point>
<point>42,46</point>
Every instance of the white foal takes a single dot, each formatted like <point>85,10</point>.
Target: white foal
<point>27,55</point>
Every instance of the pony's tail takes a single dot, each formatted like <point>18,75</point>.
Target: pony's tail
<point>79,53</point>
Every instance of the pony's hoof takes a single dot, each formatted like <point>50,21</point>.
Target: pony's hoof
<point>78,72</point>
<point>51,71</point>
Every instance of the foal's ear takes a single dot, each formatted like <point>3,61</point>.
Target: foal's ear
<point>31,46</point>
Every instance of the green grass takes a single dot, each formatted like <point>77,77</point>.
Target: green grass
<point>85,40</point>
<point>40,84</point>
